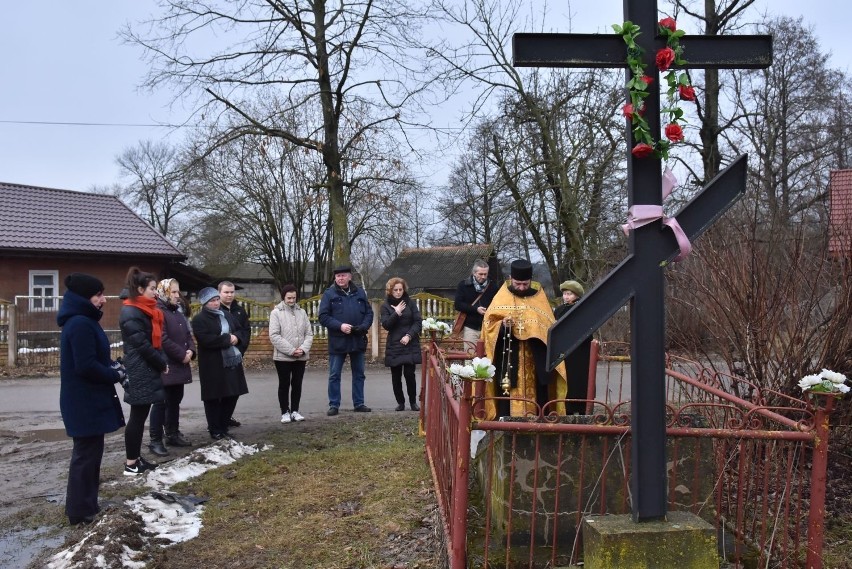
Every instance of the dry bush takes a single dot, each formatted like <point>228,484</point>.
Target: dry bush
<point>763,301</point>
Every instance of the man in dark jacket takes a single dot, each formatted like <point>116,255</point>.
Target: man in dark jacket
<point>473,296</point>
<point>228,303</point>
<point>346,313</point>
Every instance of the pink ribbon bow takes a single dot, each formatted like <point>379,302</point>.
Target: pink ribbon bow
<point>639,215</point>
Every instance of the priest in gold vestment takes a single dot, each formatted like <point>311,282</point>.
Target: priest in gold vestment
<point>514,331</point>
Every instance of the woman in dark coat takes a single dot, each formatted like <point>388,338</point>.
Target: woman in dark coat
<point>577,362</point>
<point>87,398</point>
<point>401,318</point>
<point>220,363</point>
<point>141,324</point>
<point>179,348</point>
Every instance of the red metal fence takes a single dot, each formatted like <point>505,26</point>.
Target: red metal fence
<point>751,462</point>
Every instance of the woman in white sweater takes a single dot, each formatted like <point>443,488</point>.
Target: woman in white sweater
<point>291,336</point>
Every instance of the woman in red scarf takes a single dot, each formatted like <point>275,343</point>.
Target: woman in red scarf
<point>141,324</point>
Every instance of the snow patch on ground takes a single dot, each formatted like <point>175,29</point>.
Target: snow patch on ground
<point>118,539</point>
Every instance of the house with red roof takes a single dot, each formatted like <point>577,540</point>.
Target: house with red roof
<point>840,214</point>
<point>48,233</point>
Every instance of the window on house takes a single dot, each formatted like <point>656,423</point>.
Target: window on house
<point>44,290</point>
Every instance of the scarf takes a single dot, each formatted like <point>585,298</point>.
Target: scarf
<point>479,287</point>
<point>394,301</point>
<point>148,306</point>
<point>231,356</point>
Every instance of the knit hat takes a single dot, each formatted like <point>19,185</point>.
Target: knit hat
<point>573,286</point>
<point>205,295</point>
<point>164,289</point>
<point>85,285</point>
<point>521,270</point>
<point>342,269</point>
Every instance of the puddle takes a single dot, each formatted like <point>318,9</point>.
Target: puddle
<point>43,436</point>
<point>19,547</point>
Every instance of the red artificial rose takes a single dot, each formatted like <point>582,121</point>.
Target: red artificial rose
<point>668,23</point>
<point>674,132</point>
<point>665,58</point>
<point>687,92</point>
<point>627,110</point>
<point>642,150</point>
<point>647,79</point>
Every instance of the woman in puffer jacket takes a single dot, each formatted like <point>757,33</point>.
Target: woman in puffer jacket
<point>179,348</point>
<point>141,324</point>
<point>291,336</point>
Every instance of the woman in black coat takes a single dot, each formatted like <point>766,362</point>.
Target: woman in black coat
<point>87,398</point>
<point>179,348</point>
<point>220,363</point>
<point>141,324</point>
<point>401,318</point>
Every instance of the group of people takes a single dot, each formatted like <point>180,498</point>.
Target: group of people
<point>158,344</point>
<point>513,320</point>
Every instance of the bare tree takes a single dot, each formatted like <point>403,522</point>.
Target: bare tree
<point>159,185</point>
<point>557,141</point>
<point>327,61</point>
<point>717,17</point>
<point>783,120</point>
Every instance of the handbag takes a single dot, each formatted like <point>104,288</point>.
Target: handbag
<point>458,325</point>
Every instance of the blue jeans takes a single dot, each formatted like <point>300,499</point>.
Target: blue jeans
<point>335,367</point>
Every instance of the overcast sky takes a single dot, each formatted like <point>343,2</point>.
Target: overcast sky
<point>61,63</point>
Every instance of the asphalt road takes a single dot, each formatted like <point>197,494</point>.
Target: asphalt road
<point>32,404</point>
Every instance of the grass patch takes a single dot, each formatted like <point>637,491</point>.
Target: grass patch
<point>331,494</point>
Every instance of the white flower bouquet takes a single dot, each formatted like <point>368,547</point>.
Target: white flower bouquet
<point>479,368</point>
<point>826,381</point>
<point>432,325</point>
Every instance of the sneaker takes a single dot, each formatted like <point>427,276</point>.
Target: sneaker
<point>285,418</point>
<point>332,411</point>
<point>138,467</point>
<point>362,409</point>
<point>233,422</point>
<point>296,416</point>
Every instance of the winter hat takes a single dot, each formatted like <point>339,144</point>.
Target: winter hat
<point>521,270</point>
<point>573,286</point>
<point>164,289</point>
<point>342,269</point>
<point>205,295</point>
<point>85,285</point>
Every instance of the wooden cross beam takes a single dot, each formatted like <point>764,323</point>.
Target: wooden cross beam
<point>639,278</point>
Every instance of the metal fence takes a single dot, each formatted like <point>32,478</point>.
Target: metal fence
<point>754,466</point>
<point>30,323</point>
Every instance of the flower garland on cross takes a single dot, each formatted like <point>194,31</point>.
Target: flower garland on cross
<point>637,87</point>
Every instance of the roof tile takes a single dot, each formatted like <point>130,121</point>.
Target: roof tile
<point>47,219</point>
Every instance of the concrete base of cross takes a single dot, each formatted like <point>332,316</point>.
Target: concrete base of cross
<point>682,541</point>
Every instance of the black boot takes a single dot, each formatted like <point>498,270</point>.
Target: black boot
<point>157,447</point>
<point>414,406</point>
<point>176,439</point>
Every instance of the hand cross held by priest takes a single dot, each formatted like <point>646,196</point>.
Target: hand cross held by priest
<point>514,330</point>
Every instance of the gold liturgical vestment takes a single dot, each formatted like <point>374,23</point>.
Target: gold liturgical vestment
<point>532,317</point>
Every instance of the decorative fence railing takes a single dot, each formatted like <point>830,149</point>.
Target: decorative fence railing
<point>29,335</point>
<point>514,492</point>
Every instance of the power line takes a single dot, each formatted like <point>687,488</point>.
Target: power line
<point>64,123</point>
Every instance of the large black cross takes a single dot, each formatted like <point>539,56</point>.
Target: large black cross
<point>639,278</point>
